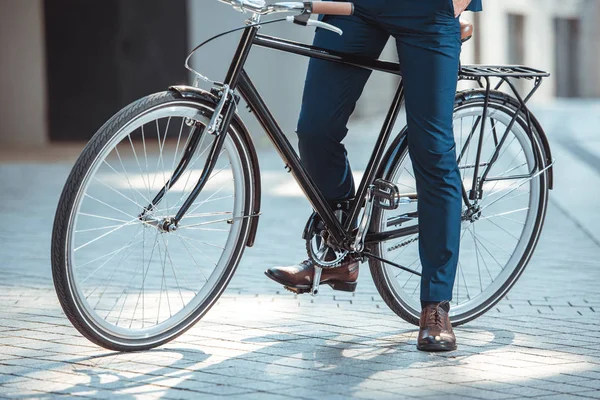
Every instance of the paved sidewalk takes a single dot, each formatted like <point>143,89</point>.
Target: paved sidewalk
<point>262,342</point>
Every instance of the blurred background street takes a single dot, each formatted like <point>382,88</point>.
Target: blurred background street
<point>68,65</point>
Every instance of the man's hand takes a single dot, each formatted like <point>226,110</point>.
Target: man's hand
<point>460,6</point>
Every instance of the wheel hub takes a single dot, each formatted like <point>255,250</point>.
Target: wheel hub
<point>164,225</point>
<point>472,214</point>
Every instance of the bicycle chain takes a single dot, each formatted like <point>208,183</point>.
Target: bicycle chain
<point>406,243</point>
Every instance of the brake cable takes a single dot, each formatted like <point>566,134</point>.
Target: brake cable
<point>204,78</point>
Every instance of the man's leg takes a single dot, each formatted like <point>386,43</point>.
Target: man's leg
<point>330,95</point>
<point>429,51</point>
<point>430,79</point>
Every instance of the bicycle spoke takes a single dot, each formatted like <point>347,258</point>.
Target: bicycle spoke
<point>506,194</point>
<point>104,235</point>
<point>119,193</point>
<point>146,185</point>
<point>96,229</point>
<point>162,286</point>
<point>510,219</point>
<point>193,258</point>
<point>212,195</point>
<point>196,248</point>
<point>126,177</point>
<point>101,217</point>
<point>176,280</point>
<point>146,159</point>
<point>491,191</point>
<point>109,279</point>
<point>182,275</point>
<point>504,230</point>
<point>112,255</point>
<point>478,253</point>
<point>190,168</point>
<point>464,280</point>
<point>502,215</point>
<point>490,253</point>
<point>109,206</point>
<point>210,244</point>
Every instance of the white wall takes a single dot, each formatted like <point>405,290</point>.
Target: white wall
<point>590,49</point>
<point>23,119</point>
<point>540,37</point>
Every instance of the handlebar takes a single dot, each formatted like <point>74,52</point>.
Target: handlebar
<point>332,8</point>
<point>313,7</point>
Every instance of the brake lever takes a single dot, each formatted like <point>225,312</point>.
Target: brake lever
<point>324,25</point>
<point>318,24</point>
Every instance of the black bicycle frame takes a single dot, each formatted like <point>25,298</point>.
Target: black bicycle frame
<point>238,80</point>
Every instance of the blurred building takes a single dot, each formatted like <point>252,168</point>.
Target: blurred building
<point>559,36</point>
<point>68,65</point>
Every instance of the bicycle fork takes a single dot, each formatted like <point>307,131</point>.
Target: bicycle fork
<point>218,126</point>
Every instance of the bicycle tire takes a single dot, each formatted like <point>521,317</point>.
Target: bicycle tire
<point>64,286</point>
<point>471,98</point>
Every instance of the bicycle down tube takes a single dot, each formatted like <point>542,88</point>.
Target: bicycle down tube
<point>249,92</point>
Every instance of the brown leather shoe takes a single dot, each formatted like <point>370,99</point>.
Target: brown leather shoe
<point>435,333</point>
<point>298,278</point>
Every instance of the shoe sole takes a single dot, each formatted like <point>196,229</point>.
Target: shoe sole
<point>436,348</point>
<point>301,289</point>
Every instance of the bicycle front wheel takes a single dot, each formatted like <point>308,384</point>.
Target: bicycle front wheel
<point>498,236</point>
<point>124,283</point>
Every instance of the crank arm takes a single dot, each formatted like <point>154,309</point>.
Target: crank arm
<point>314,291</point>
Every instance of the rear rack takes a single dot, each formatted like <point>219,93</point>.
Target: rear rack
<point>501,71</point>
<point>503,74</point>
<point>492,78</point>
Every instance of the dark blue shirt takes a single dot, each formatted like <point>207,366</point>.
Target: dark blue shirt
<point>475,6</point>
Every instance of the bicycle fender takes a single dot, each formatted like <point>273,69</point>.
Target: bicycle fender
<point>395,149</point>
<point>189,92</point>
<point>393,153</point>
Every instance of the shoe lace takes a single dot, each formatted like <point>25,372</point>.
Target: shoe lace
<point>434,318</point>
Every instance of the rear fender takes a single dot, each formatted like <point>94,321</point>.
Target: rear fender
<point>514,103</point>
<point>395,149</point>
<point>393,155</point>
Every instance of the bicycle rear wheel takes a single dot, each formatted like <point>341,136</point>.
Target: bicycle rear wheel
<point>497,244</point>
<point>125,284</point>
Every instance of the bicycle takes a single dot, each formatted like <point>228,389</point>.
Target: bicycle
<point>173,181</point>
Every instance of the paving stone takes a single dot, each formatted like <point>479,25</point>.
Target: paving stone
<point>262,342</point>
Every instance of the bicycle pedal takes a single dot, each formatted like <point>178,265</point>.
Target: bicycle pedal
<point>386,195</point>
<point>343,286</point>
<point>296,290</point>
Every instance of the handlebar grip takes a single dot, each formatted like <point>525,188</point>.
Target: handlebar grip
<point>332,8</point>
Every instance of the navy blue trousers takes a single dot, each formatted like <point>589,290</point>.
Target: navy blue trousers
<point>428,41</point>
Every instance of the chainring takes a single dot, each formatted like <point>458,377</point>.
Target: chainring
<point>317,247</point>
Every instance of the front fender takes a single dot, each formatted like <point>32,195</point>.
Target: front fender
<point>189,92</point>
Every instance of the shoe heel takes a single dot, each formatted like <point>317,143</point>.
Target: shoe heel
<point>343,286</point>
